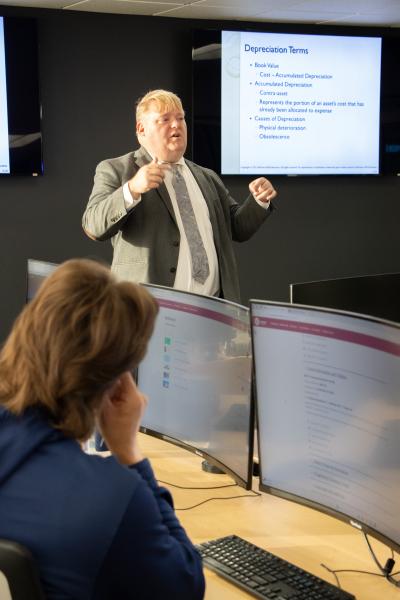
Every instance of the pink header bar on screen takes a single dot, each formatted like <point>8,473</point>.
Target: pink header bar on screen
<point>203,312</point>
<point>345,335</point>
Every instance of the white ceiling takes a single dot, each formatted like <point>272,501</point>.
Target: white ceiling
<point>383,13</point>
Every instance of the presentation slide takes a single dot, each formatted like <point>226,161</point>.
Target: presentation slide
<point>299,104</point>
<point>4,150</point>
<point>328,389</point>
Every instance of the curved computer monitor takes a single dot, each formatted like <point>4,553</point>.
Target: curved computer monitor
<point>37,271</point>
<point>328,406</point>
<point>376,295</point>
<point>198,375</point>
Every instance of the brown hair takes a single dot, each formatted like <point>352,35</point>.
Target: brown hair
<point>164,101</point>
<point>80,332</point>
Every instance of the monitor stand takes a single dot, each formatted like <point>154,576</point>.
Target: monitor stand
<point>209,468</point>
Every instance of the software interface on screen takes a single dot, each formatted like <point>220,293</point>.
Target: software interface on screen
<point>328,401</point>
<point>38,270</point>
<point>197,374</point>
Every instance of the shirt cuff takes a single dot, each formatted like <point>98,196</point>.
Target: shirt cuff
<point>130,202</point>
<point>263,204</point>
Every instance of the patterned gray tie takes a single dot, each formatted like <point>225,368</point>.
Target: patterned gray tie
<point>200,268</point>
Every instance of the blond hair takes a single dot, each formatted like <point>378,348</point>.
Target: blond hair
<point>163,100</point>
<point>81,331</point>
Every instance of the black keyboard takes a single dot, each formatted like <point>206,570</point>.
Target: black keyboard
<point>263,574</point>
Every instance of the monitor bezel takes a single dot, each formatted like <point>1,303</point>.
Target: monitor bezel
<point>370,287</point>
<point>245,483</point>
<point>355,523</point>
<point>29,263</point>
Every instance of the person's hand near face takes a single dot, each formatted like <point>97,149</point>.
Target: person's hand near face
<point>148,177</point>
<point>164,135</point>
<point>119,419</point>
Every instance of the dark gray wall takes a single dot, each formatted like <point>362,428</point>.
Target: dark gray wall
<point>92,69</point>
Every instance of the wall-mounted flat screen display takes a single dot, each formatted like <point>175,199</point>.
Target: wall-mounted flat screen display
<point>20,112</point>
<point>294,103</point>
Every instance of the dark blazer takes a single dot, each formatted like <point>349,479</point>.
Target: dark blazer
<point>146,238</point>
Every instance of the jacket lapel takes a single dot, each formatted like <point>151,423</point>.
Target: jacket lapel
<point>208,195</point>
<point>206,190</point>
<point>142,157</point>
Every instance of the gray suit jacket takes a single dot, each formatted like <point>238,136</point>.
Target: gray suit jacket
<point>146,238</point>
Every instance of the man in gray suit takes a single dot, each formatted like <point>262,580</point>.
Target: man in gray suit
<point>136,202</point>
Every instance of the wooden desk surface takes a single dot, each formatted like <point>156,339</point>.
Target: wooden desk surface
<point>296,533</point>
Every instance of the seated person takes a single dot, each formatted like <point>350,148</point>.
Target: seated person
<point>98,528</point>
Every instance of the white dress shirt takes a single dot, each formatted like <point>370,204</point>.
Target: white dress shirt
<point>184,279</point>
